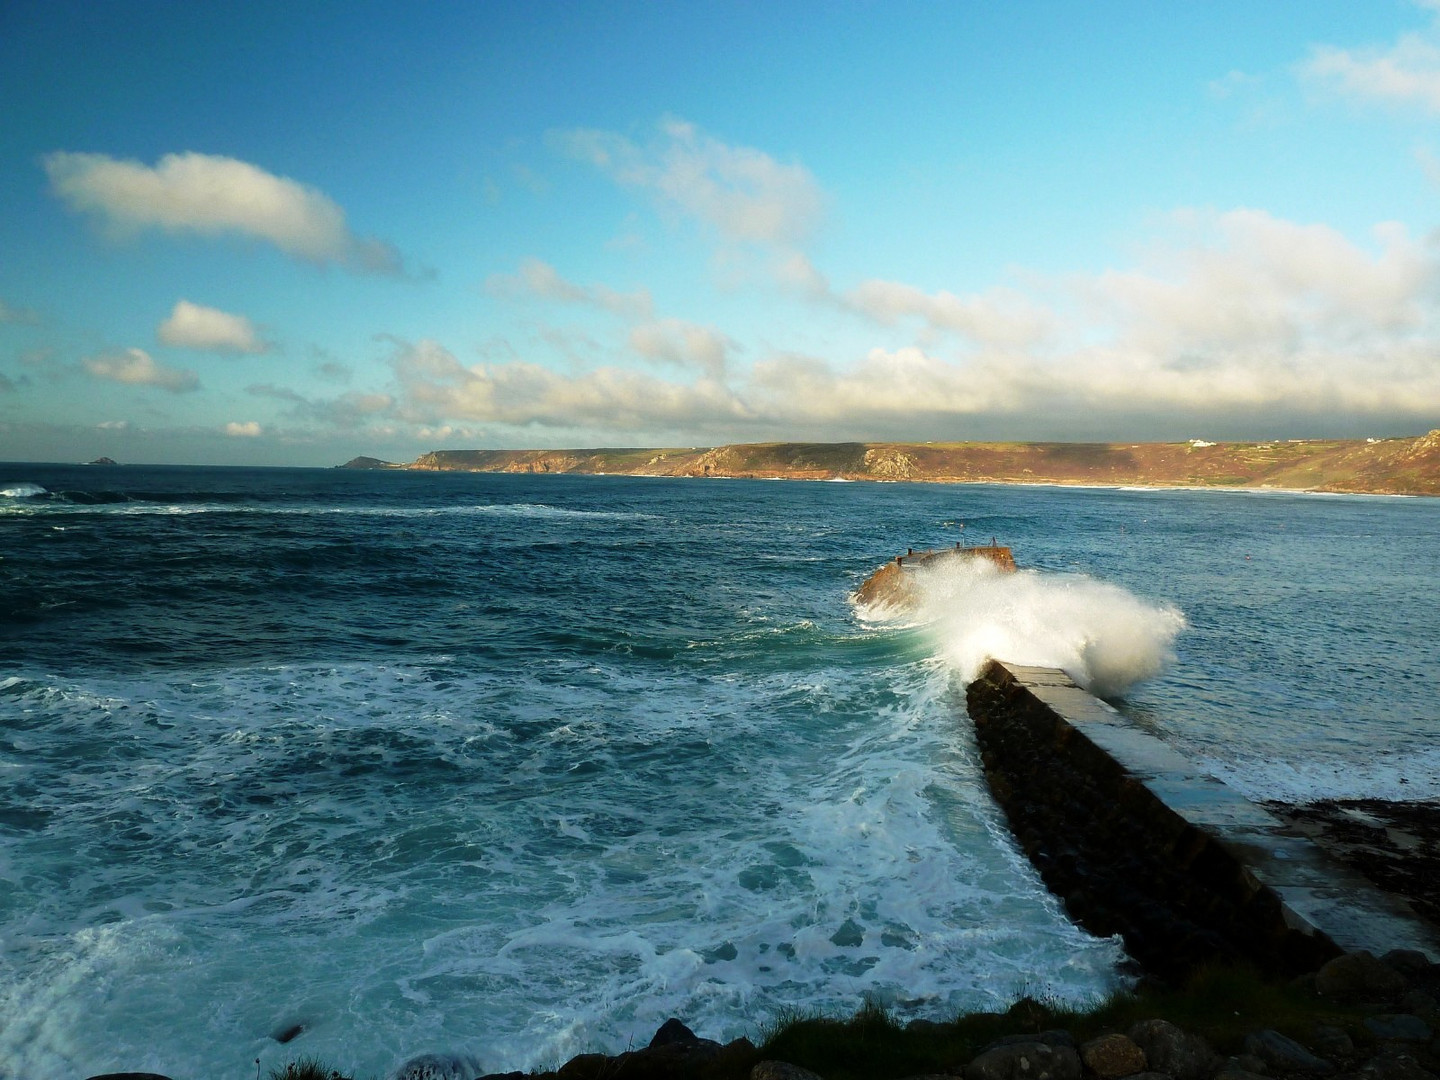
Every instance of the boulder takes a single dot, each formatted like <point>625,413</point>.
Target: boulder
<point>673,1033</point>
<point>586,1066</point>
<point>1358,976</point>
<point>1411,963</point>
<point>928,1027</point>
<point>1332,1040</point>
<point>438,1067</point>
<point>781,1070</point>
<point>1025,1061</point>
<point>1112,1056</point>
<point>674,1052</point>
<point>1401,1027</point>
<point>1422,1005</point>
<point>1283,1054</point>
<point>1172,1051</point>
<point>1394,1066</point>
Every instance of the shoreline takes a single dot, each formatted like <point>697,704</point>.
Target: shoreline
<point>1385,467</point>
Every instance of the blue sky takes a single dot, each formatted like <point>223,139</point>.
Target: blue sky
<point>293,233</point>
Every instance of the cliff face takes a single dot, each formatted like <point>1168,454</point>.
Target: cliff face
<point>1390,466</point>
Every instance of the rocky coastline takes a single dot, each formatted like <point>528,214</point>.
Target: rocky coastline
<point>1402,466</point>
<point>1358,1017</point>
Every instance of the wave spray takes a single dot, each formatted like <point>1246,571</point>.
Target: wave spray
<point>1102,635</point>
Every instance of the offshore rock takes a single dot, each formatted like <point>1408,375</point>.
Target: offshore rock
<point>1025,1061</point>
<point>363,462</point>
<point>131,1075</point>
<point>1113,1056</point>
<point>1284,1054</point>
<point>1172,1051</point>
<point>1358,976</point>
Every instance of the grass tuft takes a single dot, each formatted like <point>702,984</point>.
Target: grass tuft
<point>306,1068</point>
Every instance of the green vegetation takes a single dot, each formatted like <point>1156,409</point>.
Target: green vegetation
<point>306,1068</point>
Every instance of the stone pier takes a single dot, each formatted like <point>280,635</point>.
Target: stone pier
<point>1139,842</point>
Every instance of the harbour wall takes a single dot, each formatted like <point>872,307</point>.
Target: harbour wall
<point>1138,842</point>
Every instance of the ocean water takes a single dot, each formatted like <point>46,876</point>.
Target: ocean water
<point>513,767</point>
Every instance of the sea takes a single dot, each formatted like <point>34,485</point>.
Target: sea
<point>504,768</point>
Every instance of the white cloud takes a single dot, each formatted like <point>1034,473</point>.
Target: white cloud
<point>348,410</point>
<point>1251,283</point>
<point>1228,320</point>
<point>1406,73</point>
<point>674,341</point>
<point>904,384</point>
<point>114,425</point>
<point>247,429</point>
<point>136,367</point>
<point>437,387</point>
<point>540,279</point>
<point>999,317</point>
<point>1232,82</point>
<point>210,195</point>
<point>742,192</point>
<point>193,326</point>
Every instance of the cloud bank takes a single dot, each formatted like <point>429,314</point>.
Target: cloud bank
<point>1238,315</point>
<point>212,195</point>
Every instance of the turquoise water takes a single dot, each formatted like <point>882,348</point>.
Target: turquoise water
<point>514,767</point>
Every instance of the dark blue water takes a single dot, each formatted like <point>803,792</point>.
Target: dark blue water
<point>519,766</point>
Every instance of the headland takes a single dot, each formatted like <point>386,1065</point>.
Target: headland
<point>1399,466</point>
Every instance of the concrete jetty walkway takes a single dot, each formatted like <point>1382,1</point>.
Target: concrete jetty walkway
<point>1138,841</point>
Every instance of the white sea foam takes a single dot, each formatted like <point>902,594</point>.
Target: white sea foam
<point>1102,635</point>
<point>22,491</point>
<point>425,859</point>
<point>1406,774</point>
<point>515,510</point>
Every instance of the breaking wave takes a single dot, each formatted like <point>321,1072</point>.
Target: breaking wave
<point>1100,634</point>
<point>22,491</point>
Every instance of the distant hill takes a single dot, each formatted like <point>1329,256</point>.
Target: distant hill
<point>1408,466</point>
<point>369,463</point>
